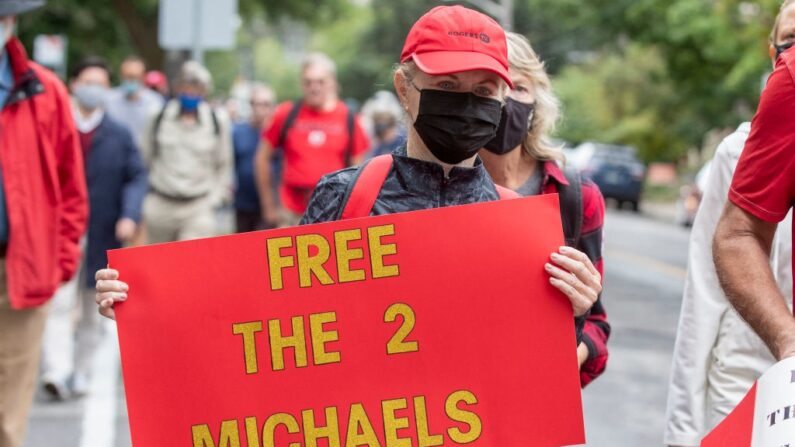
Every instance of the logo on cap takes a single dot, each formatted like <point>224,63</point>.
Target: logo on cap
<point>482,36</point>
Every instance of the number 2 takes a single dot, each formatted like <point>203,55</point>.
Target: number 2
<point>398,344</point>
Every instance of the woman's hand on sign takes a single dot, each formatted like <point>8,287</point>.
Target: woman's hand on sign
<point>574,274</point>
<point>109,291</point>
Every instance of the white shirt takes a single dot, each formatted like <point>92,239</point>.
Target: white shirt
<point>86,124</point>
<point>717,356</point>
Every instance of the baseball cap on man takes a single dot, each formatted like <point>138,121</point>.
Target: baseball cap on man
<point>15,7</point>
<point>451,39</point>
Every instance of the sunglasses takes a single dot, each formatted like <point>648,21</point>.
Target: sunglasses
<point>783,47</point>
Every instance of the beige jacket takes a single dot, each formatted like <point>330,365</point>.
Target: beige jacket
<point>189,160</point>
<point>717,356</point>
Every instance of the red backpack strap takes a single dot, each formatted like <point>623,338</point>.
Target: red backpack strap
<point>367,186</point>
<point>506,193</point>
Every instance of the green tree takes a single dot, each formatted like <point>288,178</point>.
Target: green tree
<point>709,60</point>
<point>715,54</point>
<point>604,101</point>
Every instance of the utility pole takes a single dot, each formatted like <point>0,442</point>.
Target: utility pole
<point>197,53</point>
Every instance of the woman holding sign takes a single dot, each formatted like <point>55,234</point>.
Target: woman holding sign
<point>452,82</point>
<point>522,158</point>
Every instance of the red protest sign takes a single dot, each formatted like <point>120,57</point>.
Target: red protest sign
<point>736,430</point>
<point>428,328</point>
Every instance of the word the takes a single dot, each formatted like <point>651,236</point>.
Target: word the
<point>786,413</point>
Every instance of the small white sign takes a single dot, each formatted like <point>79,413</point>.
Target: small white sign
<point>774,412</point>
<point>212,24</point>
<point>50,50</point>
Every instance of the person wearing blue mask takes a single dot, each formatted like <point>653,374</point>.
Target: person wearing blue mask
<point>131,103</point>
<point>188,150</point>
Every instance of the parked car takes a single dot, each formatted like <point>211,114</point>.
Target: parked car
<point>615,169</point>
<point>690,197</point>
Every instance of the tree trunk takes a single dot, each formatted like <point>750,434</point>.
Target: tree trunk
<point>143,32</point>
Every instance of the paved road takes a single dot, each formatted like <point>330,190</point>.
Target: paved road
<point>645,264</point>
<point>644,278</point>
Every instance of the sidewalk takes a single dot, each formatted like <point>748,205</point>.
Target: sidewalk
<point>97,420</point>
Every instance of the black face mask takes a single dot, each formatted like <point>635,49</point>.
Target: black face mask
<point>514,125</point>
<point>381,129</point>
<point>454,126</point>
<point>783,47</point>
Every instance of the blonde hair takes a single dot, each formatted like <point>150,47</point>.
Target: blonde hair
<point>523,60</point>
<point>774,32</point>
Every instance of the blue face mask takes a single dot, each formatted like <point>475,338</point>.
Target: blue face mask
<point>189,103</point>
<point>90,96</point>
<point>130,87</point>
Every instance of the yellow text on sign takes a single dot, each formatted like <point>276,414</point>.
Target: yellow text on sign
<point>313,252</point>
<point>320,336</point>
<point>463,426</point>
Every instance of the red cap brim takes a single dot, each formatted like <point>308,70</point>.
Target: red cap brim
<point>448,62</point>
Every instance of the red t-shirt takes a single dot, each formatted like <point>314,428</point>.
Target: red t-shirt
<point>764,182</point>
<point>314,146</point>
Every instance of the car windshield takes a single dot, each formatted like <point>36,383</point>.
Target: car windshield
<point>615,154</point>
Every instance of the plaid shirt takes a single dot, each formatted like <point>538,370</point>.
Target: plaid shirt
<point>597,329</point>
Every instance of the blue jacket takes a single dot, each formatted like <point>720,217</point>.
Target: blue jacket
<point>117,184</point>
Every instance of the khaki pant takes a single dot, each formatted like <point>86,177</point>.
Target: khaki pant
<point>169,220</point>
<point>288,218</point>
<point>20,347</point>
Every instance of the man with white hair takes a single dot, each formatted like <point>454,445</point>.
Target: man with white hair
<point>187,148</point>
<point>318,135</point>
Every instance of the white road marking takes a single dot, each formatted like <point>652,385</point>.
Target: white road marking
<point>99,419</point>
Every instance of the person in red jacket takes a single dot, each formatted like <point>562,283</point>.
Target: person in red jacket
<point>43,213</point>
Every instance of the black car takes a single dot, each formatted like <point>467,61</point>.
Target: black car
<point>615,169</point>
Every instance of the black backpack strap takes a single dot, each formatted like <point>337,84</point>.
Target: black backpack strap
<point>351,137</point>
<point>216,124</point>
<point>159,120</point>
<point>571,207</point>
<point>289,122</point>
<point>156,129</point>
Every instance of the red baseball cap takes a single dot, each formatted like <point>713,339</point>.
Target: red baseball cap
<point>155,79</point>
<point>450,39</point>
